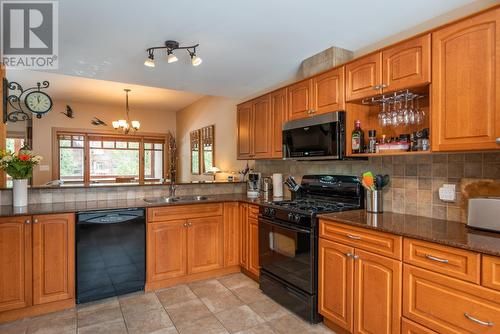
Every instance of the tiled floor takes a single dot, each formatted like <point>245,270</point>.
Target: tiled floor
<point>230,304</point>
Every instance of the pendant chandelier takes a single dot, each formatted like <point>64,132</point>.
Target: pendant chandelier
<point>125,125</point>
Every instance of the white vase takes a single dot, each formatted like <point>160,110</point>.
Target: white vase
<point>20,192</point>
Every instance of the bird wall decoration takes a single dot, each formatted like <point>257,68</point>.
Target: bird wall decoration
<point>96,121</point>
<point>69,112</point>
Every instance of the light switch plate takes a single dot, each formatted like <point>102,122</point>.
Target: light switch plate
<point>44,168</point>
<point>447,193</point>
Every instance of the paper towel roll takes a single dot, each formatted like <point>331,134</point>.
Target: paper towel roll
<point>277,185</point>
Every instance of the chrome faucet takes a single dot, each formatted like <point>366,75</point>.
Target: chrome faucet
<point>171,189</point>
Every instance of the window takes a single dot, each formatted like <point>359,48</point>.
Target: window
<point>102,158</point>
<point>195,152</point>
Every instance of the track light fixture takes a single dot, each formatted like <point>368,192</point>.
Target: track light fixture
<point>170,46</point>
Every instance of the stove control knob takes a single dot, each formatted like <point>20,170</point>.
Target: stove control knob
<point>267,211</point>
<point>272,212</point>
<point>291,216</point>
<point>297,218</point>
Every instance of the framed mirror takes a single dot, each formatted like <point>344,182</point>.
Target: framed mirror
<point>207,147</point>
<point>195,152</point>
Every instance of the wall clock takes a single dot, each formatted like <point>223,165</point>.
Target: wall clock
<point>22,103</point>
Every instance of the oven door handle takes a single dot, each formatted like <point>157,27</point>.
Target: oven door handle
<point>283,226</point>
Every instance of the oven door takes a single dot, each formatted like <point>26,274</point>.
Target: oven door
<point>287,252</point>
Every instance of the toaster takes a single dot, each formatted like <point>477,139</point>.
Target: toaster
<point>484,213</point>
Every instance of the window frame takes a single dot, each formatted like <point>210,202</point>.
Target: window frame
<point>90,134</point>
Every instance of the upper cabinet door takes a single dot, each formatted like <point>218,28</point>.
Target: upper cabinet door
<point>466,85</point>
<point>364,77</point>
<point>328,91</point>
<point>262,130</point>
<point>279,114</point>
<point>53,258</point>
<point>407,64</point>
<point>244,120</point>
<point>15,261</point>
<point>300,99</point>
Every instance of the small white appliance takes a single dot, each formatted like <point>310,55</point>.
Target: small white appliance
<point>484,213</point>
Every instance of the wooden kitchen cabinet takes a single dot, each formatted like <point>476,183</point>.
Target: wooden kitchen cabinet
<point>300,99</point>
<point>15,261</point>
<point>410,327</point>
<point>245,130</point>
<point>262,128</point>
<point>491,272</point>
<point>279,114</point>
<point>53,258</point>
<point>377,293</point>
<point>335,264</point>
<point>166,250</point>
<point>205,244</point>
<point>449,305</point>
<point>407,64</point>
<point>253,242</point>
<point>243,236</point>
<point>255,129</point>
<point>231,233</point>
<point>328,91</point>
<point>466,85</point>
<point>364,77</point>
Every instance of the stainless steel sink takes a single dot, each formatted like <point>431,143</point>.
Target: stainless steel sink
<point>163,199</point>
<point>194,198</point>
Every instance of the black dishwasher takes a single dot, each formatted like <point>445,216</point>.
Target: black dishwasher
<point>110,253</point>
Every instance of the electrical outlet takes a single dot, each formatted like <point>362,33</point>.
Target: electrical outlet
<point>447,193</point>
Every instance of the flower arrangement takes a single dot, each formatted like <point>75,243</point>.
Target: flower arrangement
<point>19,166</point>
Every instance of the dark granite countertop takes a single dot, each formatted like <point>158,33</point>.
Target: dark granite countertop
<point>37,209</point>
<point>444,232</point>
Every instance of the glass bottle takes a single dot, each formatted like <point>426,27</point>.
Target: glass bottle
<point>357,138</point>
<point>372,141</point>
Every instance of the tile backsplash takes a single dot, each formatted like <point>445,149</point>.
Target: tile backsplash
<point>415,179</point>
<point>65,195</point>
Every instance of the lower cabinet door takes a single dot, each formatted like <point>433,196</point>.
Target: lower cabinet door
<point>231,233</point>
<point>377,294</point>
<point>243,244</point>
<point>166,250</point>
<point>15,263</point>
<point>205,244</point>
<point>253,249</point>
<point>335,282</point>
<point>53,258</point>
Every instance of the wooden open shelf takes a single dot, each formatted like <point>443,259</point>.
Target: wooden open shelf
<point>389,153</point>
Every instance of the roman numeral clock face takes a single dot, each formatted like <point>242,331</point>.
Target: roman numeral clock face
<point>38,102</point>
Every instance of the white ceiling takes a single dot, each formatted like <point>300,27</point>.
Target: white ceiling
<point>247,46</point>
<point>77,89</point>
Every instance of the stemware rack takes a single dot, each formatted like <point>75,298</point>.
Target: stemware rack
<point>397,96</point>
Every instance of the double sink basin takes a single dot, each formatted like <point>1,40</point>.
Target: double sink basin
<point>166,199</point>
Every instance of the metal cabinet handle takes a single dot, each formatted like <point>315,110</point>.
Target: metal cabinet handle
<point>384,86</point>
<point>185,225</point>
<point>27,221</point>
<point>376,87</point>
<point>483,323</point>
<point>190,224</point>
<point>35,221</point>
<point>498,140</point>
<point>356,257</point>
<point>355,237</point>
<point>349,255</point>
<point>437,259</point>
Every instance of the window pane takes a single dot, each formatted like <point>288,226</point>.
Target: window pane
<point>108,144</point>
<point>133,144</point>
<point>107,164</point>
<point>153,164</point>
<point>77,143</point>
<point>95,143</point>
<point>65,143</point>
<point>121,144</point>
<point>71,164</point>
<point>148,146</point>
<point>158,146</point>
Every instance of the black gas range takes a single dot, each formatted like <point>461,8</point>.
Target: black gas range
<point>288,239</point>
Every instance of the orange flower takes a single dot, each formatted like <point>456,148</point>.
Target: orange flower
<point>24,157</point>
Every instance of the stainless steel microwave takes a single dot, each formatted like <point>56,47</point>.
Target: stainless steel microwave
<point>319,137</point>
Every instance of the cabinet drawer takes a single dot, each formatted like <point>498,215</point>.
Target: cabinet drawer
<point>175,212</point>
<point>450,261</point>
<point>491,272</point>
<point>373,241</point>
<point>253,211</point>
<point>449,305</point>
<point>410,327</point>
